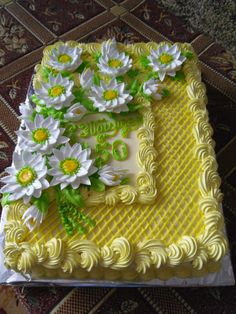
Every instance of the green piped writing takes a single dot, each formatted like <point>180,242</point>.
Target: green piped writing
<point>119,150</point>
<point>94,128</point>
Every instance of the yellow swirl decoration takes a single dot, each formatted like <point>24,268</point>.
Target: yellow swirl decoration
<point>175,254</point>
<point>147,258</point>
<point>151,252</point>
<point>26,259</point>
<point>203,150</point>
<point>111,197</point>
<point>87,252</point>
<point>129,195</point>
<point>19,257</point>
<point>118,256</point>
<point>145,133</point>
<point>15,231</point>
<point>55,251</point>
<point>201,259</point>
<point>189,247</point>
<point>40,252</point>
<point>15,212</point>
<point>197,91</point>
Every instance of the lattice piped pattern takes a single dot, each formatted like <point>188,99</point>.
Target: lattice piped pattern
<point>176,212</point>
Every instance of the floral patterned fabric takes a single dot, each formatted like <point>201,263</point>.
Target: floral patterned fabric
<point>25,28</point>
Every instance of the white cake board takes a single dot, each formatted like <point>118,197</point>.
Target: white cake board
<point>225,277</point>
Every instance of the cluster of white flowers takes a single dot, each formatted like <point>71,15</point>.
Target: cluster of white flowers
<point>43,151</point>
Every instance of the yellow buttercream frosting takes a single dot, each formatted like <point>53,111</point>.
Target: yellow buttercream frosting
<point>179,234</point>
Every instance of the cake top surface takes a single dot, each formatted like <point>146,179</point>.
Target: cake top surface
<point>115,145</point>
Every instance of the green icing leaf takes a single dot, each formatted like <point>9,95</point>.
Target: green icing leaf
<point>134,107</point>
<point>144,61</point>
<point>79,94</point>
<point>179,76</point>
<point>99,162</point>
<point>81,98</point>
<point>120,79</point>
<point>45,73</point>
<point>65,73</point>
<point>97,185</point>
<point>71,132</point>
<point>56,114</point>
<point>153,75</point>
<point>187,54</point>
<point>165,93</point>
<point>133,73</point>
<point>124,181</point>
<point>148,97</point>
<point>82,66</point>
<point>73,196</point>
<point>97,56</point>
<point>88,104</point>
<point>134,87</point>
<point>96,79</point>
<point>42,202</point>
<point>84,145</point>
<point>4,200</point>
<point>36,100</point>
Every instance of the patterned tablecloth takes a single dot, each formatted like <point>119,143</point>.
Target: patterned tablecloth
<point>26,27</point>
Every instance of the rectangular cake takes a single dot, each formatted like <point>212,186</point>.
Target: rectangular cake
<point>114,173</point>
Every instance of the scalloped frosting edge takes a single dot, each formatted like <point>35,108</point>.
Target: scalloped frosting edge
<point>149,258</point>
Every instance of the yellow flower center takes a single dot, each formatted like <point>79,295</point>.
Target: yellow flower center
<point>165,58</point>
<point>56,91</point>
<point>115,63</point>
<point>25,176</point>
<point>64,58</point>
<point>78,111</point>
<point>115,177</point>
<point>110,94</point>
<point>70,166</point>
<point>40,135</point>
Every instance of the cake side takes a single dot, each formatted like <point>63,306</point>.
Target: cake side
<point>124,257</point>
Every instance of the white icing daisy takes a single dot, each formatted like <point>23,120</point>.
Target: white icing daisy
<point>41,135</point>
<point>57,93</point>
<point>109,46</point>
<point>110,97</point>
<point>26,177</point>
<point>111,176</point>
<point>65,58</point>
<point>111,62</point>
<point>26,110</point>
<point>71,166</point>
<point>152,88</point>
<point>86,79</point>
<point>33,217</point>
<point>166,60</point>
<point>75,112</point>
